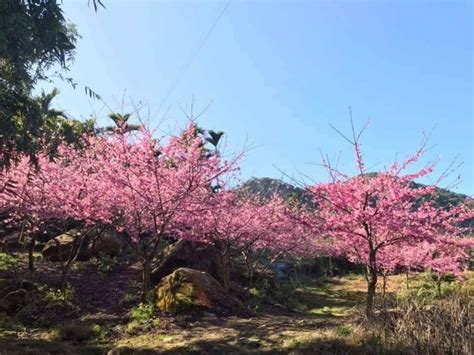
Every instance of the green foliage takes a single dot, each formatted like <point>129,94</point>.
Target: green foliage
<point>34,37</point>
<point>214,137</point>
<point>142,313</point>
<point>426,289</point>
<point>141,319</point>
<point>56,295</point>
<point>7,262</point>
<point>96,4</point>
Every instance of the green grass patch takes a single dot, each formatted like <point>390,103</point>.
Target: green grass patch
<point>7,262</point>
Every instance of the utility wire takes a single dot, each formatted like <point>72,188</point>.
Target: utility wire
<point>191,58</point>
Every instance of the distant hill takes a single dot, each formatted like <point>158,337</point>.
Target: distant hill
<point>445,197</point>
<point>266,187</point>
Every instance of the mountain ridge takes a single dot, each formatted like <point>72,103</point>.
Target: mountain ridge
<point>267,187</point>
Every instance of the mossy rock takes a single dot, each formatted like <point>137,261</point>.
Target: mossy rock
<point>65,244</point>
<point>187,290</point>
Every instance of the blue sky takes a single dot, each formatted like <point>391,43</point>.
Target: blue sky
<point>278,72</point>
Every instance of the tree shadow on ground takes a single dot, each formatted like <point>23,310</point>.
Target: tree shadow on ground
<point>320,346</point>
<point>14,346</point>
<point>221,346</point>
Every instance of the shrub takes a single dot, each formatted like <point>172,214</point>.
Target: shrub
<point>141,319</point>
<point>142,313</point>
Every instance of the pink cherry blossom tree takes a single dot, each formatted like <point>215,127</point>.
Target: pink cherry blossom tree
<point>153,190</point>
<point>144,188</point>
<point>53,192</point>
<point>369,218</point>
<point>258,229</point>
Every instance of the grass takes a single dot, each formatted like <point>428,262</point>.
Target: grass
<point>335,297</point>
<point>323,309</point>
<point>320,320</point>
<point>7,262</point>
<point>142,313</point>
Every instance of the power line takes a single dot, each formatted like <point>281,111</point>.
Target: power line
<point>191,58</point>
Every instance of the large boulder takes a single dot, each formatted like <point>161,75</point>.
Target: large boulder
<point>191,290</point>
<point>65,244</point>
<point>184,253</point>
<point>107,243</point>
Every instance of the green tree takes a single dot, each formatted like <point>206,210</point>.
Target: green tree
<point>35,38</point>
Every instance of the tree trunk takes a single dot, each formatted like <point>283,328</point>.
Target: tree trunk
<point>63,279</point>
<point>407,278</point>
<point>323,268</point>
<point>249,267</point>
<point>63,264</point>
<point>146,274</point>
<point>438,283</point>
<point>71,257</point>
<point>384,285</point>
<point>371,284</point>
<point>31,247</point>
<point>225,261</point>
<point>330,268</point>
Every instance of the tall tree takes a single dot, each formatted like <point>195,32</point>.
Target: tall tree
<point>35,39</point>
